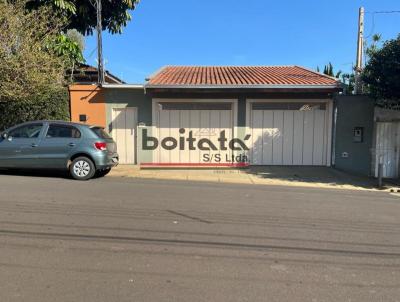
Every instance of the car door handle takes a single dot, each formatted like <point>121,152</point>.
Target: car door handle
<point>34,145</point>
<point>71,144</point>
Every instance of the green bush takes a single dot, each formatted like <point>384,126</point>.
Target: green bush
<point>53,105</point>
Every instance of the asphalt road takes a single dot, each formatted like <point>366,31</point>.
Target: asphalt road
<point>118,239</point>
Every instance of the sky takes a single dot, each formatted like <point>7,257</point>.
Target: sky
<point>309,33</point>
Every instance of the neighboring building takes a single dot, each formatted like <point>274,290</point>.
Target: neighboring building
<point>85,74</point>
<point>286,110</point>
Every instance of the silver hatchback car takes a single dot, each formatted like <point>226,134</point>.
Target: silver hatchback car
<point>84,150</point>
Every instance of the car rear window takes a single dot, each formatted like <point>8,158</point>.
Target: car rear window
<point>100,132</point>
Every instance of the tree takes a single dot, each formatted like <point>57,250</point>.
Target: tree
<point>328,70</point>
<point>382,73</point>
<point>29,63</point>
<point>374,46</point>
<point>82,13</point>
<point>32,73</point>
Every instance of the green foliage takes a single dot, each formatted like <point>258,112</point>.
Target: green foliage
<point>81,14</point>
<point>382,72</point>
<point>64,47</point>
<point>374,46</point>
<point>348,79</point>
<point>32,78</point>
<point>328,70</point>
<point>76,37</point>
<point>27,66</point>
<point>54,105</point>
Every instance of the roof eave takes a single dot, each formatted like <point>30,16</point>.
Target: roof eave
<point>294,87</point>
<point>123,86</point>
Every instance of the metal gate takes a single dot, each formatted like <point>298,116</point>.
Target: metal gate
<point>387,148</point>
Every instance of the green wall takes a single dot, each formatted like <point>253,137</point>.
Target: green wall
<point>354,111</point>
<point>128,97</point>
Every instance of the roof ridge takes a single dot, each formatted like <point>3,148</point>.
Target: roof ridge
<point>224,66</point>
<point>318,73</point>
<point>159,70</point>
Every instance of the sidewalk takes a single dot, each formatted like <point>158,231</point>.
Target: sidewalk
<point>313,177</point>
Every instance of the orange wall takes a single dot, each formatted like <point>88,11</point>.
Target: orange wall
<point>89,100</point>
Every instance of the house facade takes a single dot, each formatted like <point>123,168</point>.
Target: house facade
<point>213,116</point>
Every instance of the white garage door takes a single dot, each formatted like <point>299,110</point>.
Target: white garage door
<point>289,134</point>
<point>204,120</point>
<point>124,122</point>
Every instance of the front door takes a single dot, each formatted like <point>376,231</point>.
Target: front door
<point>124,133</point>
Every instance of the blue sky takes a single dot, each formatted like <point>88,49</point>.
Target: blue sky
<point>254,32</point>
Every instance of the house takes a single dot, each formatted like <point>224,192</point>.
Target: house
<point>217,115</point>
<point>84,73</point>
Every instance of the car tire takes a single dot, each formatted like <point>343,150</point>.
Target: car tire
<point>82,168</point>
<point>104,172</point>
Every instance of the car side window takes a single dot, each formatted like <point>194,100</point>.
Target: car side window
<point>62,131</point>
<point>27,131</point>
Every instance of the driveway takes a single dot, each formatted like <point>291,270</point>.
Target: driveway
<point>125,239</point>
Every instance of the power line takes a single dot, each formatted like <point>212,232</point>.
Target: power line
<point>373,13</point>
<point>384,12</point>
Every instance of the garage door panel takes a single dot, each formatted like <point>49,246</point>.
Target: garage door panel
<point>174,116</point>
<point>319,129</point>
<point>277,144</point>
<point>268,134</point>
<point>203,123</point>
<point>184,120</point>
<point>227,125</point>
<point>195,128</point>
<point>164,131</point>
<point>205,120</point>
<point>288,137</point>
<point>215,128</point>
<point>257,137</point>
<point>298,127</point>
<point>308,138</point>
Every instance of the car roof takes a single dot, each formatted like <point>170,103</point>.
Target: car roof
<point>59,122</point>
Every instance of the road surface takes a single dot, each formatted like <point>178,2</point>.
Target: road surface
<point>120,239</point>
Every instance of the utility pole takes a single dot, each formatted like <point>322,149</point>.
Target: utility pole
<point>360,52</point>
<point>100,67</point>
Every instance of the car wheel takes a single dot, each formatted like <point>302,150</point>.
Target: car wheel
<point>82,168</point>
<point>104,172</point>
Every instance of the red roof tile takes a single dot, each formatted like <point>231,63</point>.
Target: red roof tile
<point>234,76</point>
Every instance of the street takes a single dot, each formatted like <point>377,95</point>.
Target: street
<point>126,239</point>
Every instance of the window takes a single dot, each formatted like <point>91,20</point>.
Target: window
<point>289,106</point>
<point>27,131</point>
<point>62,131</point>
<point>100,132</point>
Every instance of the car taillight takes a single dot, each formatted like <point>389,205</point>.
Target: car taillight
<point>100,146</point>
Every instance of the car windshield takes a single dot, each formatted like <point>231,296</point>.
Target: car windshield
<point>100,132</point>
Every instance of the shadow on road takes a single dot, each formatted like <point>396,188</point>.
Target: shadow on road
<point>36,173</point>
<point>308,174</point>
